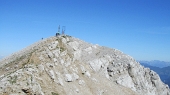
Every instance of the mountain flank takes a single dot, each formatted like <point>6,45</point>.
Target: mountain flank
<point>65,65</point>
<point>164,72</point>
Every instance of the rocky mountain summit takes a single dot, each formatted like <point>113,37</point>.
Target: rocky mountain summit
<point>65,65</point>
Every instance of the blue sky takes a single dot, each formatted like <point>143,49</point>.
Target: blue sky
<point>139,28</point>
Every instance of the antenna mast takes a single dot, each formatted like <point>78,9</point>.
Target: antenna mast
<point>59,29</point>
<point>63,30</point>
<point>58,33</point>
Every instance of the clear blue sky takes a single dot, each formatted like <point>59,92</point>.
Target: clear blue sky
<point>139,28</point>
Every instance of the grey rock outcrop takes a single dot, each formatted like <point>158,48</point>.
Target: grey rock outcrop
<point>68,66</point>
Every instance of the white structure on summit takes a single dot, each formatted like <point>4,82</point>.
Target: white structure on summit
<point>63,30</point>
<point>58,33</point>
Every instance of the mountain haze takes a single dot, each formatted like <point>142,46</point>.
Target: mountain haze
<point>1,57</point>
<point>156,63</point>
<point>65,65</point>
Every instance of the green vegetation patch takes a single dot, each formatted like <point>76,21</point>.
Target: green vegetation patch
<point>13,80</point>
<point>61,49</point>
<point>53,93</point>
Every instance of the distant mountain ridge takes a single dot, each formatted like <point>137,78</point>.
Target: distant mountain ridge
<point>1,57</point>
<point>156,63</point>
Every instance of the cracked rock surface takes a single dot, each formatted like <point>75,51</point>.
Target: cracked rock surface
<point>65,65</point>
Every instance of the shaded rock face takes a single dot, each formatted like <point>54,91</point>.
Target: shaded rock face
<point>65,65</point>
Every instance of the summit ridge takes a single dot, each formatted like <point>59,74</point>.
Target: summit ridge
<point>65,65</point>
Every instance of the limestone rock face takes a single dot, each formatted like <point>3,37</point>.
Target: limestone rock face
<point>65,65</point>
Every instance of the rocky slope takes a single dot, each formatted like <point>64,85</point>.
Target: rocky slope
<point>164,72</point>
<point>65,65</point>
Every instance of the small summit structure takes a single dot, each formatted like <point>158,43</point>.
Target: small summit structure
<point>58,33</point>
<point>63,30</point>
